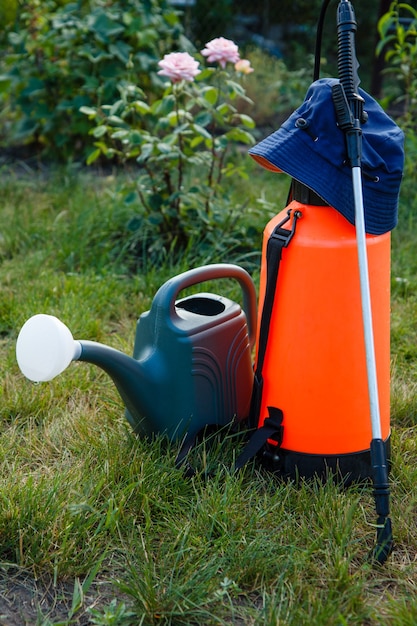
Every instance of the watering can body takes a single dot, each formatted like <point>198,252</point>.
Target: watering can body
<point>197,351</point>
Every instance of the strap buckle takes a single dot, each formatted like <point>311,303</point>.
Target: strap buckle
<point>283,234</point>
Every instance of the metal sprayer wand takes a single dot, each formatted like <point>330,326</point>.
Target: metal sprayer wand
<point>350,116</point>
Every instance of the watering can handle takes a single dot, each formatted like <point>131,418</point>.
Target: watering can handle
<point>166,295</point>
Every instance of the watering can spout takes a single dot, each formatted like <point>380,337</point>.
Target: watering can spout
<point>45,348</point>
<point>136,384</point>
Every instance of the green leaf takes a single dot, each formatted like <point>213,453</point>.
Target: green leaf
<point>116,120</point>
<point>130,198</point>
<point>135,223</point>
<point>141,107</point>
<point>246,120</point>
<point>94,56</point>
<point>163,147</point>
<point>164,106</point>
<point>155,201</point>
<point>136,138</point>
<point>120,134</point>
<point>104,27</point>
<point>203,118</point>
<point>239,135</point>
<point>205,74</point>
<point>383,42</point>
<point>179,117</point>
<point>93,156</point>
<point>116,107</point>
<point>225,109</point>
<point>121,50</point>
<point>173,118</point>
<point>99,131</point>
<point>211,94</point>
<point>196,142</point>
<point>235,89</point>
<point>146,152</point>
<point>384,24</point>
<point>200,130</point>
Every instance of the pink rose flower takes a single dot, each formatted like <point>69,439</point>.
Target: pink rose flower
<point>179,66</point>
<point>243,66</point>
<point>221,50</point>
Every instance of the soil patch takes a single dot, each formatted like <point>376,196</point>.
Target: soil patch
<point>26,601</point>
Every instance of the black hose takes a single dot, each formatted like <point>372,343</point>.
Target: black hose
<point>319,38</point>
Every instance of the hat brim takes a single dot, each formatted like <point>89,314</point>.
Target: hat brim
<point>321,163</point>
<point>265,163</point>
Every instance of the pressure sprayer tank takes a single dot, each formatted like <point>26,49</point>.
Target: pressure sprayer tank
<point>315,363</point>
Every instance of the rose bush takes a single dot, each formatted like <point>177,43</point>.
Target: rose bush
<point>180,142</point>
<point>57,56</point>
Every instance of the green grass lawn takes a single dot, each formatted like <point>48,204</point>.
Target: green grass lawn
<point>96,525</point>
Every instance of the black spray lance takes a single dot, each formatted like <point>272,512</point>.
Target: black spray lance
<point>350,116</point>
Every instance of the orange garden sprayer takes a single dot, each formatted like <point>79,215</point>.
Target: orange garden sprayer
<point>321,399</point>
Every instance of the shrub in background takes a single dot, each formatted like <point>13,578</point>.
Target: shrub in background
<point>398,42</point>
<point>59,56</point>
<point>179,144</point>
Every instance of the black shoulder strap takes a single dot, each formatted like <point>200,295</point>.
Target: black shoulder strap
<point>278,240</point>
<point>272,429</point>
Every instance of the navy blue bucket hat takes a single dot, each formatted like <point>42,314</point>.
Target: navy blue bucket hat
<point>311,148</point>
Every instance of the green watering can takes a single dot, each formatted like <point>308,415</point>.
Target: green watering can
<point>192,357</point>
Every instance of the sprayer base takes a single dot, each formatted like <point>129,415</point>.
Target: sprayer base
<point>344,469</point>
